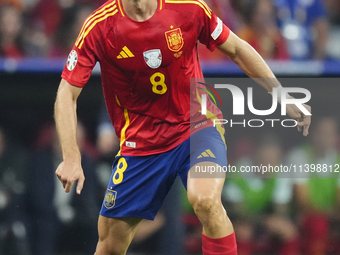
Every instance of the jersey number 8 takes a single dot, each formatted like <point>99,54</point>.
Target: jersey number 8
<point>158,83</point>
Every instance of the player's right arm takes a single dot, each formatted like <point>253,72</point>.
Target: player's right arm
<point>65,115</point>
<point>82,58</point>
<point>255,67</point>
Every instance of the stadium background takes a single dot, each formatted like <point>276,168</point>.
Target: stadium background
<point>35,39</point>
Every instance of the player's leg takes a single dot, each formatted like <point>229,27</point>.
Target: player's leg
<point>204,194</point>
<point>136,190</point>
<point>115,235</point>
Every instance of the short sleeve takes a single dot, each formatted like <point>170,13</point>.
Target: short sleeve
<point>82,58</point>
<point>214,32</point>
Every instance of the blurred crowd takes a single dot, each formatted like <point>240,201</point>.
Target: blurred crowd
<point>277,29</point>
<point>272,213</point>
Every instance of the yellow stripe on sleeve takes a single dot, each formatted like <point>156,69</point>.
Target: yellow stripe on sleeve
<point>89,20</point>
<point>95,23</point>
<point>120,8</point>
<point>205,4</point>
<point>199,3</point>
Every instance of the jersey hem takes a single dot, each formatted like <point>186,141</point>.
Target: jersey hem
<point>147,216</point>
<point>122,153</point>
<point>174,145</point>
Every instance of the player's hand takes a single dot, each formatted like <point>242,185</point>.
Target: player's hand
<point>70,172</point>
<point>303,121</point>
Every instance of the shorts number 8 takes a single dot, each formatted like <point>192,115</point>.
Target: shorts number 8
<point>121,167</point>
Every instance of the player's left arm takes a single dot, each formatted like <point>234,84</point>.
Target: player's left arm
<point>255,67</point>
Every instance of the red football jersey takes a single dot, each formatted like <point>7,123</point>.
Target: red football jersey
<point>146,69</point>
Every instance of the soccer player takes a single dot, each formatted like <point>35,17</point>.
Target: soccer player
<point>147,54</point>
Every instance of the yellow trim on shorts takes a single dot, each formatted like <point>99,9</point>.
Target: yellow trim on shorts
<point>213,117</point>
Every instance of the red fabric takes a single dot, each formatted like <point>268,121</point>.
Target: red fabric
<point>191,219</point>
<point>291,247</point>
<point>221,246</point>
<point>48,13</point>
<point>11,51</point>
<point>244,248</point>
<point>315,228</point>
<point>145,121</point>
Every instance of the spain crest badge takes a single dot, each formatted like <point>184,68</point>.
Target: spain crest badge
<point>110,198</point>
<point>174,39</point>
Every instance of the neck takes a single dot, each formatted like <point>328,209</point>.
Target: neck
<point>140,10</point>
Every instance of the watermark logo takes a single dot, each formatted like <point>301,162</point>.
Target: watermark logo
<point>278,95</point>
<point>238,100</point>
<point>204,97</point>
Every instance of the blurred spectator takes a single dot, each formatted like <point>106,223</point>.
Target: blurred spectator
<point>261,30</point>
<point>304,26</point>
<point>13,232</point>
<point>43,21</point>
<point>15,3</point>
<point>260,205</point>
<point>317,194</point>
<point>108,146</point>
<point>69,28</point>
<point>53,25</point>
<point>333,9</point>
<point>225,11</point>
<point>61,221</point>
<point>10,32</point>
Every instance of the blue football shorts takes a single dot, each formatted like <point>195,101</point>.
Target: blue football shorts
<point>139,184</point>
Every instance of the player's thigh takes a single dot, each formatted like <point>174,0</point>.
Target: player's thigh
<point>206,187</point>
<point>115,234</point>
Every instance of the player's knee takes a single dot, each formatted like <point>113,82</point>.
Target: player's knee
<point>209,211</point>
<point>205,205</point>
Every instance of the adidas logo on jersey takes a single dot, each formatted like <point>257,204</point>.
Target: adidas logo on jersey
<point>207,154</point>
<point>125,53</point>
